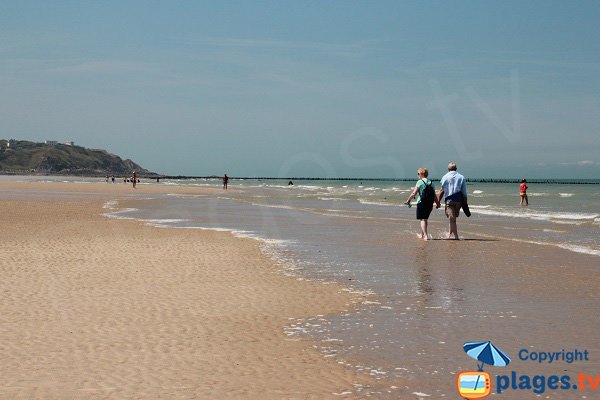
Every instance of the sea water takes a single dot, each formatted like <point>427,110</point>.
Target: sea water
<point>561,215</point>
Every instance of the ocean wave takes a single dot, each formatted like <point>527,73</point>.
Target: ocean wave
<point>275,206</point>
<point>119,214</point>
<point>566,194</point>
<point>332,198</point>
<point>563,222</point>
<point>576,248</point>
<point>160,223</point>
<point>557,217</point>
<point>311,187</point>
<point>280,186</point>
<point>150,222</point>
<point>477,191</point>
<point>164,223</point>
<point>580,249</point>
<point>186,196</point>
<point>377,203</point>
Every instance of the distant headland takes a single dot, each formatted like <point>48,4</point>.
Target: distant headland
<point>21,157</point>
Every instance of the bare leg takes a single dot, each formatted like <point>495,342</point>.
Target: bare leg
<point>453,228</point>
<point>424,235</point>
<point>526,200</point>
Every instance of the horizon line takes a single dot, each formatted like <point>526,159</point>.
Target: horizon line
<point>594,181</point>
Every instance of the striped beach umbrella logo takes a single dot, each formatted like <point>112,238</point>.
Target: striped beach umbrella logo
<point>486,353</point>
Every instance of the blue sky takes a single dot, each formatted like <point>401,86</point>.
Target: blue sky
<point>310,88</point>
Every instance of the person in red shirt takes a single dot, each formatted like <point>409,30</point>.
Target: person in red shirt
<point>523,193</point>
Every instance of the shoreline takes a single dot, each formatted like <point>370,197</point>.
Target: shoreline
<point>97,307</point>
<point>431,296</point>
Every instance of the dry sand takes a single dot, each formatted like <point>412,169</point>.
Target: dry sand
<point>101,308</point>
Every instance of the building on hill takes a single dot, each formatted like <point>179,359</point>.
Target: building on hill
<point>70,143</point>
<point>51,142</point>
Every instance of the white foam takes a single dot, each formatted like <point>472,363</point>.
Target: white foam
<point>163,222</point>
<point>187,196</point>
<point>332,198</point>
<point>274,206</point>
<point>566,194</point>
<point>566,246</point>
<point>548,216</point>
<point>251,235</point>
<point>377,203</point>
<point>276,186</point>
<point>310,187</point>
<point>477,191</point>
<point>568,222</point>
<point>580,249</point>
<point>110,204</point>
<point>118,214</point>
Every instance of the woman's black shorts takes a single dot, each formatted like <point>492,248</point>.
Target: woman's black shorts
<point>423,210</point>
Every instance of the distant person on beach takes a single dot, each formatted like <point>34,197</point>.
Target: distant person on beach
<point>425,193</point>
<point>290,183</point>
<point>454,188</point>
<point>225,180</point>
<point>523,193</point>
<point>112,178</point>
<point>134,179</point>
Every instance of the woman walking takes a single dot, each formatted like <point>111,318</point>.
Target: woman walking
<point>425,193</point>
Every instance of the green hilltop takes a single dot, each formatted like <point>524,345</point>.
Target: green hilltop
<point>51,158</point>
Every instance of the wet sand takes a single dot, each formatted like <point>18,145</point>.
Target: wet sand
<point>486,287</point>
<point>101,308</point>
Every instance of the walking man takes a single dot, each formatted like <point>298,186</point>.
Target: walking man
<point>225,181</point>
<point>454,187</point>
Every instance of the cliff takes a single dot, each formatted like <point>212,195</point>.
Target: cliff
<point>24,157</point>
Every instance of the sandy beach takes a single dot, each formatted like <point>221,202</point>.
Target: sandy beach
<point>101,302</point>
<point>97,308</point>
